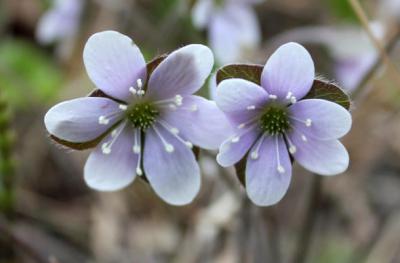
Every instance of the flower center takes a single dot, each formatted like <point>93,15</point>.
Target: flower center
<point>142,115</point>
<point>275,120</point>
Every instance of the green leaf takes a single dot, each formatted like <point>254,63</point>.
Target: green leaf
<point>242,71</point>
<point>329,91</point>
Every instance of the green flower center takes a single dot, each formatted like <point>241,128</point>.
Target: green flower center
<point>275,120</point>
<point>142,115</point>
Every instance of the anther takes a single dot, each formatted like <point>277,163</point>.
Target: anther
<point>178,100</point>
<point>123,107</point>
<point>189,144</point>
<point>136,149</point>
<point>139,171</point>
<point>169,148</point>
<point>254,155</point>
<point>114,133</point>
<point>304,138</point>
<point>139,83</point>
<point>308,122</point>
<point>105,148</point>
<point>132,90</point>
<point>289,95</point>
<point>241,126</point>
<point>292,149</point>
<point>293,99</point>
<point>103,120</point>
<point>235,139</point>
<point>251,107</point>
<point>280,169</point>
<point>272,97</point>
<point>174,130</point>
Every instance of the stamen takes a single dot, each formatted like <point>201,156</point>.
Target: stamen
<point>139,171</point>
<point>168,147</point>
<point>133,90</point>
<point>289,95</point>
<point>254,155</point>
<point>292,147</point>
<point>308,122</point>
<point>106,147</point>
<point>272,97</point>
<point>235,139</point>
<point>175,133</point>
<point>280,168</point>
<point>123,107</point>
<point>178,100</point>
<point>241,126</point>
<point>251,107</point>
<point>103,120</point>
<point>304,138</point>
<point>139,83</point>
<point>136,147</point>
<point>293,99</point>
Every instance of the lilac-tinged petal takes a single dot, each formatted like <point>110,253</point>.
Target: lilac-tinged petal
<point>183,72</point>
<point>236,147</point>
<point>173,174</point>
<point>77,120</point>
<point>268,176</point>
<point>349,72</point>
<point>234,30</point>
<point>320,119</point>
<point>115,170</point>
<point>289,69</point>
<point>240,99</point>
<point>201,13</point>
<point>321,157</point>
<point>199,121</point>
<point>114,63</point>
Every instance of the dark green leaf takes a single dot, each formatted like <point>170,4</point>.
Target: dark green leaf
<point>329,91</point>
<point>242,71</point>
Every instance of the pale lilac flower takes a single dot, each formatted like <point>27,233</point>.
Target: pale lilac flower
<point>232,27</point>
<point>150,126</point>
<point>60,22</point>
<point>274,122</point>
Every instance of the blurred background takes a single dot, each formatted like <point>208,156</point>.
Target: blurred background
<point>48,214</point>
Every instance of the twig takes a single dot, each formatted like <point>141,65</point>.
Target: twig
<point>304,241</point>
<point>362,16</point>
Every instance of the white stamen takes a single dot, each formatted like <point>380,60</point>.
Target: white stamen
<point>281,169</point>
<point>174,130</point>
<point>103,120</point>
<point>178,100</point>
<point>139,83</point>
<point>289,95</point>
<point>235,139</point>
<point>136,149</point>
<point>304,138</point>
<point>105,148</point>
<point>308,122</point>
<point>241,126</point>
<point>132,90</point>
<point>272,97</point>
<point>189,144</point>
<point>123,107</point>
<point>114,133</point>
<point>292,149</point>
<point>169,148</point>
<point>293,99</point>
<point>251,107</point>
<point>254,155</point>
<point>139,171</point>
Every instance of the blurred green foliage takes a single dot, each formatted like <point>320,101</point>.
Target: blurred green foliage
<point>335,252</point>
<point>27,74</point>
<point>342,10</point>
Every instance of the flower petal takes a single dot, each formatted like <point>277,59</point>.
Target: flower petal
<point>200,121</point>
<point>77,120</point>
<point>235,96</point>
<point>114,63</point>
<point>321,157</point>
<point>113,171</point>
<point>233,31</point>
<point>233,150</point>
<point>328,120</point>
<point>174,176</point>
<point>265,185</point>
<point>183,72</point>
<point>201,12</point>
<point>289,69</point>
